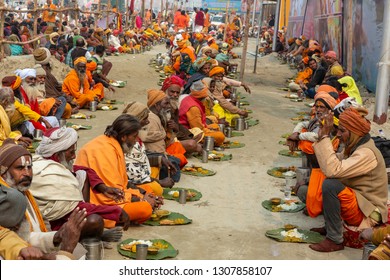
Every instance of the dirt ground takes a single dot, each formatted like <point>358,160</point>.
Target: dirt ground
<point>228,222</point>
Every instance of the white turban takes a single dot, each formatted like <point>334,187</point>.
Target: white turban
<point>24,73</point>
<point>56,141</point>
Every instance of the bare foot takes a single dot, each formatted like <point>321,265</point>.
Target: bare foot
<point>167,182</point>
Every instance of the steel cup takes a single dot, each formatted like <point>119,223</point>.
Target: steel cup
<point>182,196</point>
<point>141,251</point>
<point>93,106</point>
<point>94,248</point>
<point>228,132</point>
<point>367,250</point>
<point>205,156</point>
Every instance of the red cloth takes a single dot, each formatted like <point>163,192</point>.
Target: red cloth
<point>33,106</point>
<point>185,105</point>
<point>108,212</point>
<point>199,18</point>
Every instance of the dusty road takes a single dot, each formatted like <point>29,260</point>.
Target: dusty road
<point>229,221</point>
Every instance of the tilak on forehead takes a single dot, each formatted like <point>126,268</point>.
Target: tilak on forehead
<point>26,161</point>
<point>10,152</point>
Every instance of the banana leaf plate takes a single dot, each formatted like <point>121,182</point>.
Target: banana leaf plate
<point>163,253</point>
<point>232,145</point>
<point>172,219</point>
<point>82,116</point>
<point>237,134</point>
<point>173,194</point>
<point>253,122</point>
<point>78,126</point>
<point>308,236</point>
<point>216,156</point>
<point>198,171</point>
<point>278,172</point>
<point>288,153</point>
<point>34,145</point>
<point>286,135</point>
<point>294,208</point>
<point>281,142</point>
<point>106,107</point>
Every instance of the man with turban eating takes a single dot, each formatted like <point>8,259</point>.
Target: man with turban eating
<point>355,191</point>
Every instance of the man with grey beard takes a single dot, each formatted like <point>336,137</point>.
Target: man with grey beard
<point>53,163</point>
<point>29,93</point>
<point>7,109</point>
<point>16,172</point>
<point>48,106</point>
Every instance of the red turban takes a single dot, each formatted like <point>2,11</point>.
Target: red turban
<point>354,120</point>
<point>172,80</point>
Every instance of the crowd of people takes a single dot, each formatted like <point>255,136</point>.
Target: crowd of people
<point>348,181</point>
<point>117,179</point>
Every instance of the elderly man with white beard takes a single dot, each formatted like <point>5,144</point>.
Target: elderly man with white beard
<point>29,93</point>
<point>16,172</point>
<point>7,108</point>
<point>53,163</point>
<point>48,106</point>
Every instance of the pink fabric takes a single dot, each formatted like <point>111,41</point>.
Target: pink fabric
<point>138,22</point>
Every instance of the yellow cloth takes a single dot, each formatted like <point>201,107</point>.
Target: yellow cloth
<point>224,114</point>
<point>351,89</point>
<point>5,127</point>
<point>10,244</point>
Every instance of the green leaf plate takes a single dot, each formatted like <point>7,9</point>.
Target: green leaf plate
<point>202,173</point>
<point>217,156</point>
<point>166,195</point>
<point>268,205</point>
<point>286,135</point>
<point>171,216</point>
<point>34,145</point>
<point>252,122</point>
<point>282,142</point>
<point>309,236</point>
<point>287,153</point>
<point>169,252</point>
<point>277,172</point>
<point>233,145</point>
<point>78,126</point>
<point>237,134</point>
<point>244,103</point>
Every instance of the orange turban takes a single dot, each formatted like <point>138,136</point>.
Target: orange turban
<point>198,36</point>
<point>354,120</point>
<point>199,90</point>
<point>326,88</point>
<point>326,98</point>
<point>155,96</point>
<point>305,60</point>
<point>216,70</point>
<point>91,66</point>
<point>13,82</point>
<point>80,59</point>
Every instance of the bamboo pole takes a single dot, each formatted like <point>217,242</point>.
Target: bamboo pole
<point>245,47</point>
<point>226,19</point>
<point>1,29</point>
<point>35,27</point>
<point>166,10</point>
<point>276,25</point>
<point>108,13</point>
<point>77,13</point>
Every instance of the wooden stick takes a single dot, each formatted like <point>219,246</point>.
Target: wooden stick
<point>1,29</point>
<point>21,43</point>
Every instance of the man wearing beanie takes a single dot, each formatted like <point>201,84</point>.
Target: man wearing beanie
<point>16,172</point>
<point>161,131</point>
<point>192,113</point>
<point>355,191</point>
